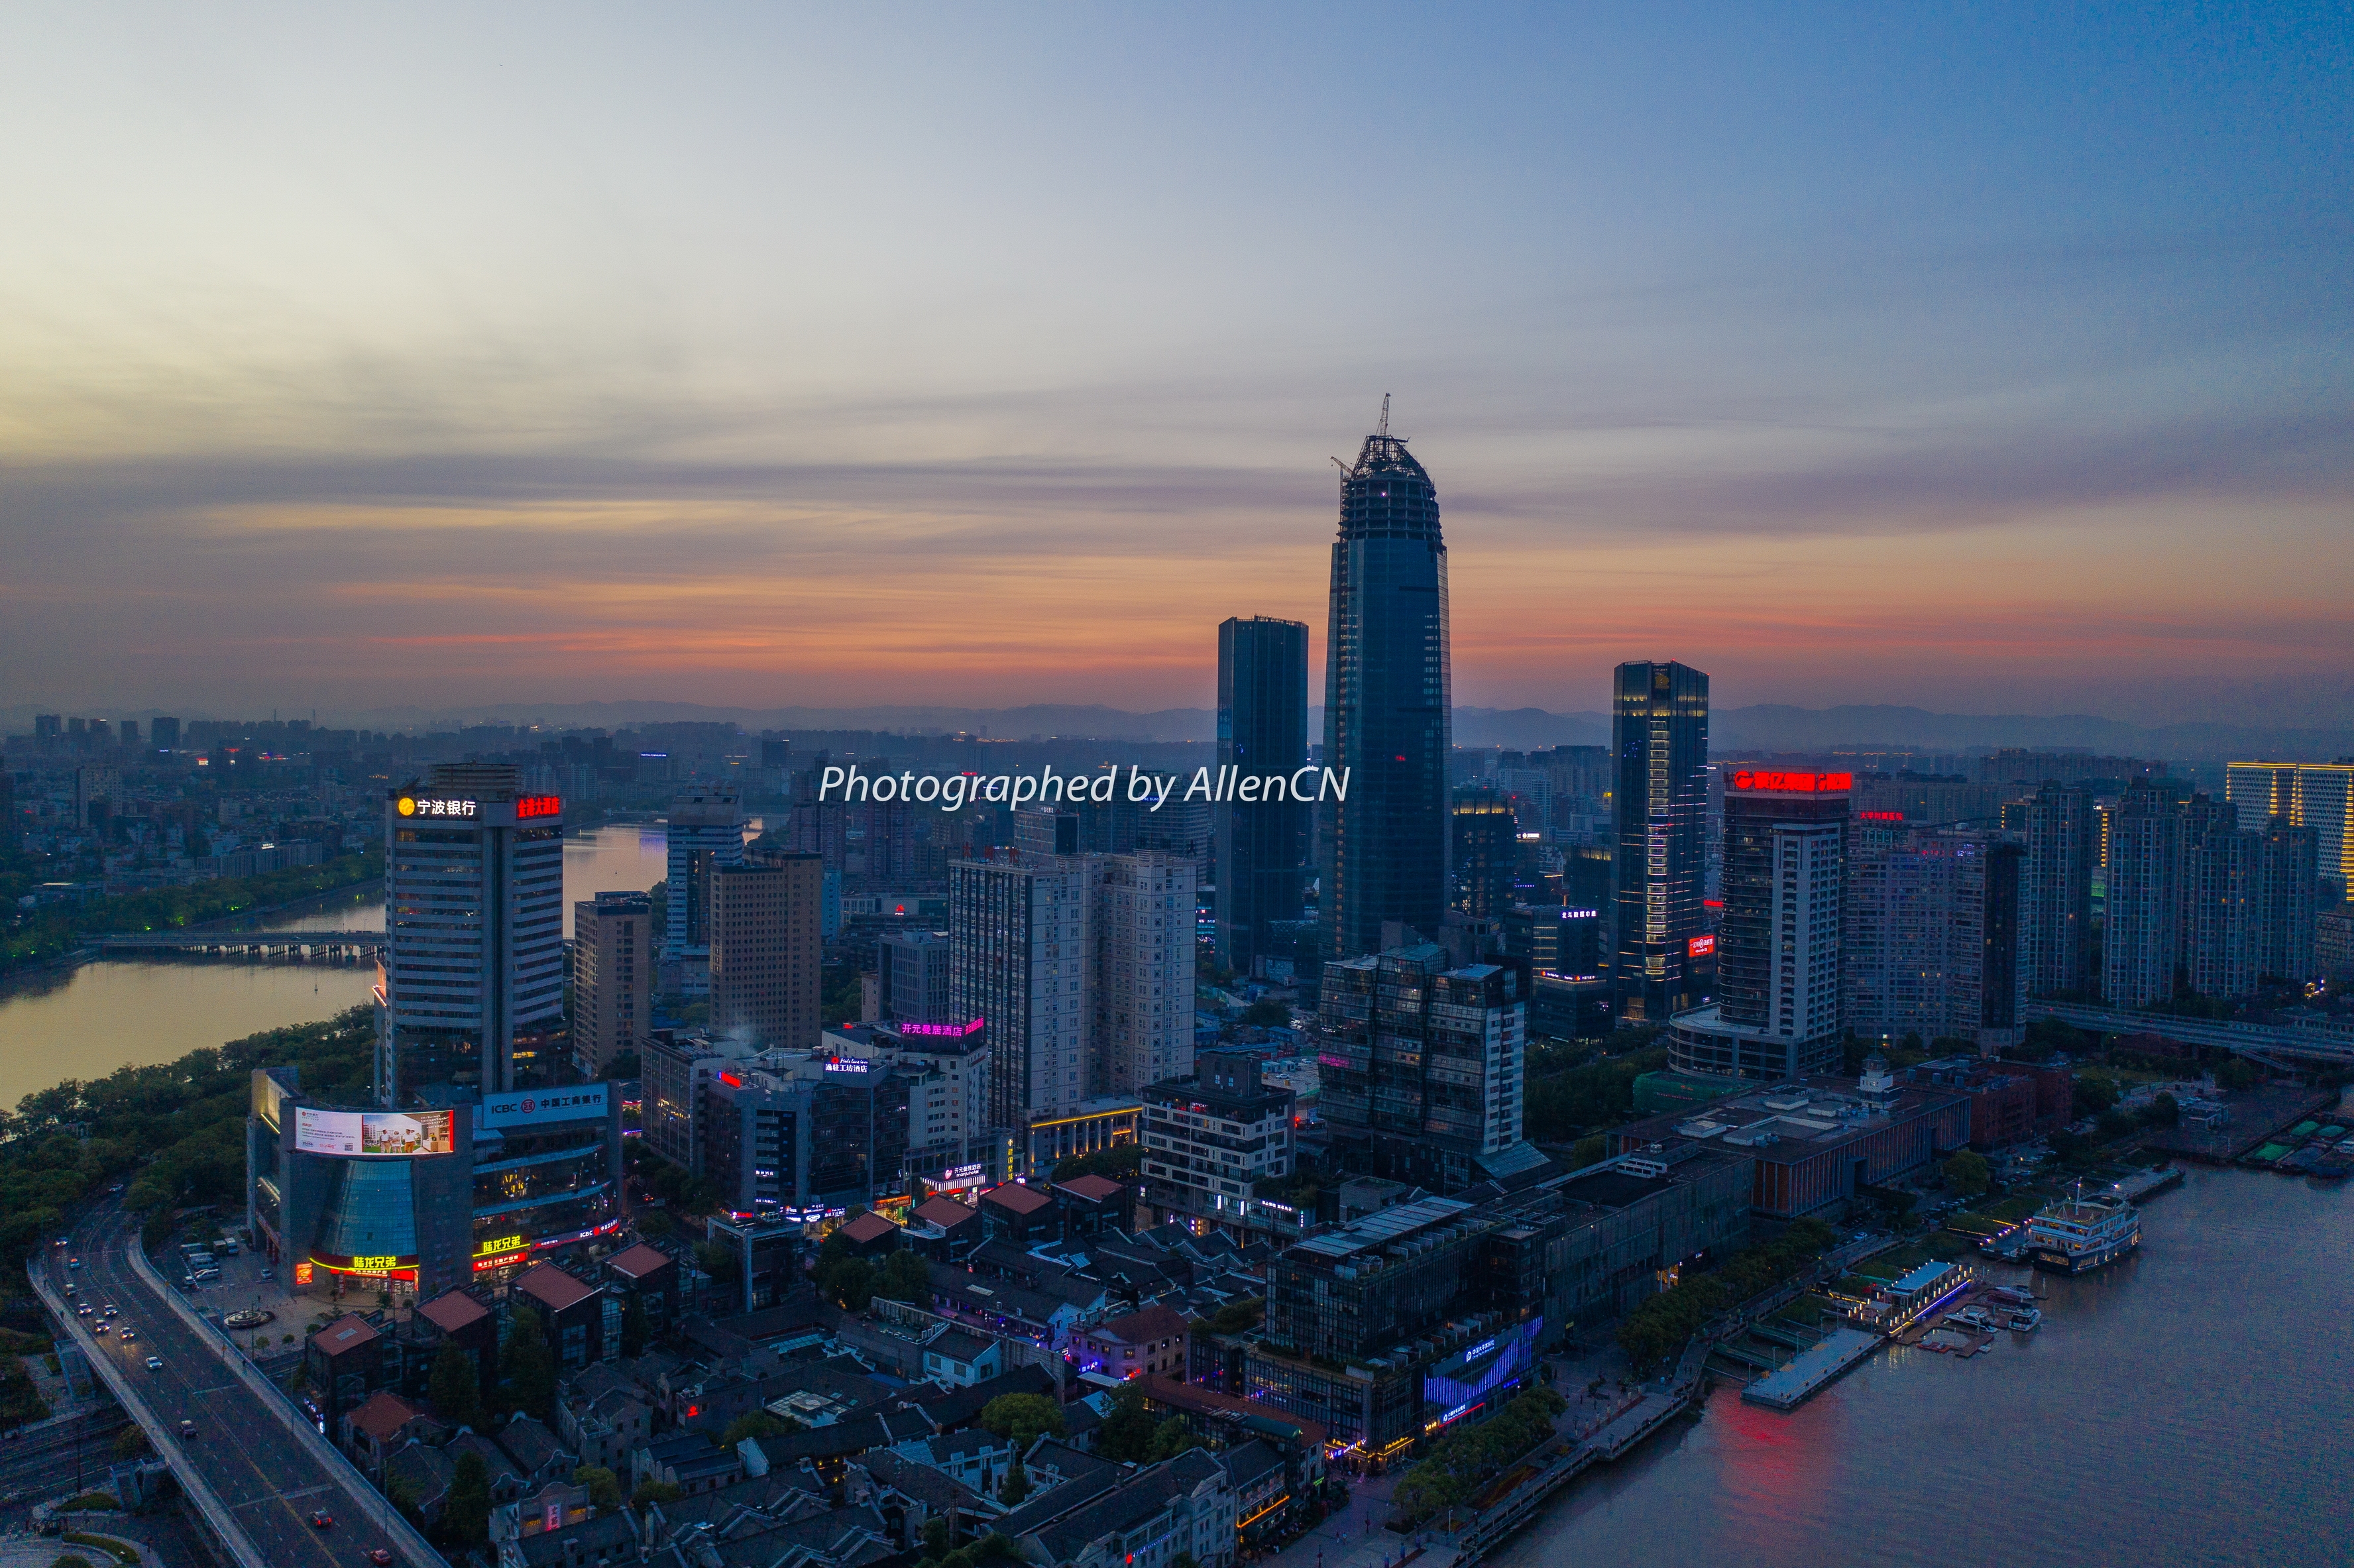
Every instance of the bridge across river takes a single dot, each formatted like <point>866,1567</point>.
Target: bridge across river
<point>278,947</point>
<point>2329,1041</point>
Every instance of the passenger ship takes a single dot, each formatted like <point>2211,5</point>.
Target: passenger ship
<point>2079,1235</point>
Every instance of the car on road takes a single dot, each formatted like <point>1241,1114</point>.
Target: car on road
<point>380,1555</point>
<point>84,1310</point>
<point>100,1329</point>
<point>73,1263</point>
<point>269,1274</point>
<point>323,1519</point>
<point>187,1429</point>
<point>111,1309</point>
<point>154,1364</point>
<point>129,1335</point>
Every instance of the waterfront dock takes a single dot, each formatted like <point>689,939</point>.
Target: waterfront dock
<point>1795,1380</point>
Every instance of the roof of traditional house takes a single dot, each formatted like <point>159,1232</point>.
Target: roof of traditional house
<point>1018,1199</point>
<point>869,1228</point>
<point>452,1310</point>
<point>553,1287</point>
<point>347,1333</point>
<point>383,1415</point>
<point>639,1261</point>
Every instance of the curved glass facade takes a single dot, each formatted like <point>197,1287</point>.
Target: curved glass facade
<point>370,1212</point>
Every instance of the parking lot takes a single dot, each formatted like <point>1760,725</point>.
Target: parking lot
<point>242,1288</point>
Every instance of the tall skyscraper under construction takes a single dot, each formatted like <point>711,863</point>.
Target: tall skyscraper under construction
<point>1388,719</point>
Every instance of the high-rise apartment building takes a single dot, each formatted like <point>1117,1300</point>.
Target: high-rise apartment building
<point>1660,807</point>
<point>765,949</point>
<point>1933,939</point>
<point>473,919</point>
<point>911,977</point>
<point>1421,1066</point>
<point>1262,846</point>
<point>2286,896</point>
<point>1388,714</point>
<point>612,977</point>
<point>2217,922</point>
<point>2141,927</point>
<point>706,831</point>
<point>2062,833</point>
<point>1081,968</point>
<point>2316,795</point>
<point>164,735</point>
<point>1778,1010</point>
<point>1021,956</point>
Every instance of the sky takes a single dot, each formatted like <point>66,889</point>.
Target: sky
<point>1989,359</point>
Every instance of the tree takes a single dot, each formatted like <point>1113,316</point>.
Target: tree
<point>654,1492</point>
<point>655,1223</point>
<point>2091,1095</point>
<point>466,1512</point>
<point>1172,1437</point>
<point>716,1260</point>
<point>1967,1173</point>
<point>2164,1111</point>
<point>1024,1417</point>
<point>936,1538</point>
<point>526,1365</point>
<point>634,1327</point>
<point>1128,1432</point>
<point>1016,1485</point>
<point>129,1443</point>
<point>756,1424</point>
<point>905,1277</point>
<point>2238,1076</point>
<point>604,1486</point>
<point>850,1282</point>
<point>1267,1013</point>
<point>456,1387</point>
<point>1591,1149</point>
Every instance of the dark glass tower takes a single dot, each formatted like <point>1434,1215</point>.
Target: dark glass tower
<point>1660,805</point>
<point>1388,719</point>
<point>1262,729</point>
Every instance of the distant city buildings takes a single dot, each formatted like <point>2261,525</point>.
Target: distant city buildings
<point>2199,902</point>
<point>1388,714</point>
<point>911,970</point>
<point>706,831</point>
<point>1932,945</point>
<point>2316,796</point>
<point>1660,806</point>
<point>2063,835</point>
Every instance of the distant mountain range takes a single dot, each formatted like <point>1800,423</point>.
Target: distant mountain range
<point>1760,727</point>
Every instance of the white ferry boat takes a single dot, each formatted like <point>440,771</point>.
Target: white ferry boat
<point>2078,1234</point>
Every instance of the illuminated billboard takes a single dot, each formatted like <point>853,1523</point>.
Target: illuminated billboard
<point>1700,947</point>
<point>373,1132</point>
<point>575,1104</point>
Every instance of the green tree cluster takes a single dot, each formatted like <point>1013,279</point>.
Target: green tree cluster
<point>466,1511</point>
<point>1119,1163</point>
<point>1024,1417</point>
<point>1559,1106</point>
<point>56,930</point>
<point>1968,1173</point>
<point>1463,1463</point>
<point>604,1486</point>
<point>1658,1327</point>
<point>1131,1434</point>
<point>1268,1012</point>
<point>993,1547</point>
<point>455,1387</point>
<point>526,1365</point>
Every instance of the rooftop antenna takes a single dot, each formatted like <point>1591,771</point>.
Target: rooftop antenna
<point>1383,432</point>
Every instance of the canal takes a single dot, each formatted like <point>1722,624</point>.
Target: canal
<point>2190,1405</point>
<point>85,1023</point>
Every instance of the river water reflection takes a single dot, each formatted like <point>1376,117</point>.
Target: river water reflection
<point>2191,1405</point>
<point>87,1022</point>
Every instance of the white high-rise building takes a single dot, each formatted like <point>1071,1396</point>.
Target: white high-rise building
<point>1144,965</point>
<point>706,829</point>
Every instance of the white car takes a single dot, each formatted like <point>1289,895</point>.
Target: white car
<point>154,1364</point>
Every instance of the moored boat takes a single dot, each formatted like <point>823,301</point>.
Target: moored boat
<point>2078,1234</point>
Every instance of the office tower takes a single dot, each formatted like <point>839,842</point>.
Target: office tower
<point>2141,931</point>
<point>95,787</point>
<point>1143,927</point>
<point>2062,833</point>
<point>1389,718</point>
<point>1658,734</point>
<point>1262,846</point>
<point>1486,850</point>
<point>1020,959</point>
<point>164,735</point>
<point>706,831</point>
<point>129,732</point>
<point>612,977</point>
<point>1211,1137</point>
<point>946,1066</point>
<point>2285,899</point>
<point>765,949</point>
<point>1778,1012</point>
<point>1933,938</point>
<point>911,970</point>
<point>1421,1066</point>
<point>2316,795</point>
<point>48,728</point>
<point>805,1133</point>
<point>473,919</point>
<point>675,1067</point>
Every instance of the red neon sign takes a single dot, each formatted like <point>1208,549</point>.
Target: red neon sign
<point>1793,783</point>
<point>539,806</point>
<point>1880,816</point>
<point>731,1080</point>
<point>1700,947</point>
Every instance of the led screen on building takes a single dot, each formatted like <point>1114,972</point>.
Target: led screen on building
<point>373,1132</point>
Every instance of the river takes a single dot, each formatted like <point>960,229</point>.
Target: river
<point>2191,1405</point>
<point>85,1023</point>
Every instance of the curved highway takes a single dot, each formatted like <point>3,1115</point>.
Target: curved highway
<point>271,1482</point>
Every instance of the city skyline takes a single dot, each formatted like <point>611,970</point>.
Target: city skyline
<point>2010,385</point>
